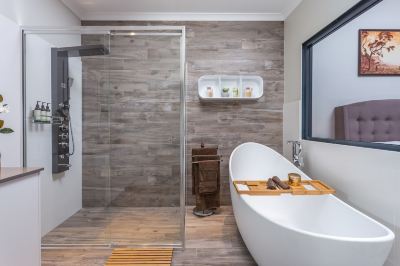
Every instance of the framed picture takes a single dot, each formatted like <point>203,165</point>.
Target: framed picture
<point>379,53</point>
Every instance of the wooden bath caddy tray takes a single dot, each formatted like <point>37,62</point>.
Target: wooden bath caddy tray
<point>259,188</point>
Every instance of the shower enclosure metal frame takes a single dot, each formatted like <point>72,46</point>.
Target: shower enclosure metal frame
<point>123,30</point>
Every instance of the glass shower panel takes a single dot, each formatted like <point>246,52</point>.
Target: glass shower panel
<point>113,148</point>
<point>56,75</point>
<point>145,113</point>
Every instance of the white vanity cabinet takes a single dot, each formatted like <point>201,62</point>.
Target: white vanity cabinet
<point>19,217</point>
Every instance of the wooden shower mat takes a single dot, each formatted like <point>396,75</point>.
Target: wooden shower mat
<point>140,256</point>
<point>259,188</point>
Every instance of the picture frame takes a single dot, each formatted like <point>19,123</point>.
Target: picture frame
<point>379,52</point>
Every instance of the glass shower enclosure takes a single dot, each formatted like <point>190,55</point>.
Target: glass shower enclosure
<point>104,113</point>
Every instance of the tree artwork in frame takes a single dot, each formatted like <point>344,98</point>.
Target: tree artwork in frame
<point>379,53</point>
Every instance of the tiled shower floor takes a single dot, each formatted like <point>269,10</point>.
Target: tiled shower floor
<point>121,226</point>
<point>212,241</point>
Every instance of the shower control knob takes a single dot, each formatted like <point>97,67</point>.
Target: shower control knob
<point>63,144</point>
<point>63,136</point>
<point>63,105</point>
<point>63,85</point>
<point>63,156</point>
<point>64,128</point>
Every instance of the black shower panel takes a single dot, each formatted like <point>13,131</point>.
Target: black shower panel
<point>60,95</point>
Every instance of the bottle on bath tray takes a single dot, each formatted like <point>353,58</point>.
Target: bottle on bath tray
<point>294,179</point>
<point>37,113</point>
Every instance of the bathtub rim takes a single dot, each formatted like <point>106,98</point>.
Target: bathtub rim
<point>380,239</point>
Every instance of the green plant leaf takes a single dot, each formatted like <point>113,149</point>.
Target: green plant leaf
<point>6,130</point>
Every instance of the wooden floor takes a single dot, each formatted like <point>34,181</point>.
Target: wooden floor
<point>210,241</point>
<point>124,226</point>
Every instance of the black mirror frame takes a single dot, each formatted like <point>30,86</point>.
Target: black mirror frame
<point>354,12</point>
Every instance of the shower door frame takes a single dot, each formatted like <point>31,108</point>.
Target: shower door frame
<point>162,30</point>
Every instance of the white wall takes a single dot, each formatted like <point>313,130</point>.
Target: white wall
<point>335,69</point>
<point>61,196</point>
<point>353,171</point>
<point>10,88</point>
<point>38,13</point>
<point>13,15</point>
<point>299,27</point>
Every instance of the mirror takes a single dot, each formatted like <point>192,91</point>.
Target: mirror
<point>351,78</point>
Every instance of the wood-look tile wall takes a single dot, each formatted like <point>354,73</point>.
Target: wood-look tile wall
<point>254,48</point>
<point>131,100</point>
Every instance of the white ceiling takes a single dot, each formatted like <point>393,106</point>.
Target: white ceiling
<point>182,9</point>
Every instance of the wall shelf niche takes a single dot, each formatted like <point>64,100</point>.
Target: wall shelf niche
<point>211,88</point>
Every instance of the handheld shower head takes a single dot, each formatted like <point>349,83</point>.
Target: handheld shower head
<point>70,82</point>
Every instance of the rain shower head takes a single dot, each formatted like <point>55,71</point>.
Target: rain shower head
<point>85,50</point>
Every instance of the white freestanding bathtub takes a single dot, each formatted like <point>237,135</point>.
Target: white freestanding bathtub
<point>292,230</point>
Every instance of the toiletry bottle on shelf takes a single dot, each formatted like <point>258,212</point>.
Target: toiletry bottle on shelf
<point>248,92</point>
<point>42,113</point>
<point>235,92</point>
<point>48,114</point>
<point>210,92</point>
<point>37,113</point>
